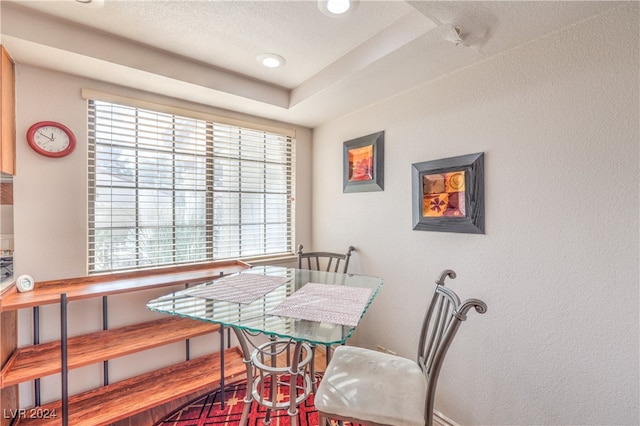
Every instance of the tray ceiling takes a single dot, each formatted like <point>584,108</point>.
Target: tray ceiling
<point>205,51</point>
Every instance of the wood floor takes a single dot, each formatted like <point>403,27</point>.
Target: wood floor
<point>152,416</point>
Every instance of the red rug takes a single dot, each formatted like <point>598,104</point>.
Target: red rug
<point>205,411</point>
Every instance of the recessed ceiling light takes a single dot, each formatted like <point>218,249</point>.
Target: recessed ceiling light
<point>337,7</point>
<point>271,60</point>
<point>91,3</point>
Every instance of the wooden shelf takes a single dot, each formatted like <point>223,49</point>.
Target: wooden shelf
<point>37,361</point>
<point>129,397</point>
<point>48,292</point>
<point>123,399</point>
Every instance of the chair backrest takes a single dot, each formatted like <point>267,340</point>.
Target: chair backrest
<point>323,260</point>
<point>440,326</point>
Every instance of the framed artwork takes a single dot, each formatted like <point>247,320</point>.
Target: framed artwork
<point>363,164</point>
<point>448,194</point>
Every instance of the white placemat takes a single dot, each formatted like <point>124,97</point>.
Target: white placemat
<point>335,304</point>
<point>241,288</point>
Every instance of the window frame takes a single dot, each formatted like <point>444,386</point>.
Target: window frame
<point>286,137</point>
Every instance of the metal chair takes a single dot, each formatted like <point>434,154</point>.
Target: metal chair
<point>323,260</point>
<point>376,388</point>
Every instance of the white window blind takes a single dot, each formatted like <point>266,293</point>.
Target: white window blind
<point>168,189</point>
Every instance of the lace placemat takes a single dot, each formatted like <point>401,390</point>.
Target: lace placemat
<point>242,288</point>
<point>335,304</point>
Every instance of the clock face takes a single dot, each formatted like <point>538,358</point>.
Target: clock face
<point>51,139</point>
<point>25,283</point>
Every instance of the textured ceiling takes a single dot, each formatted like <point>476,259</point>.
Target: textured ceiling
<point>205,51</point>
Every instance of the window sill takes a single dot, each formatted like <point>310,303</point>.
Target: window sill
<point>270,260</point>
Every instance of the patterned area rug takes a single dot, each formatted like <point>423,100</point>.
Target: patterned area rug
<point>205,411</point>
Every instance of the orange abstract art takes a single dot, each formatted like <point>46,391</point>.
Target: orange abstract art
<point>443,195</point>
<point>448,194</point>
<point>361,163</point>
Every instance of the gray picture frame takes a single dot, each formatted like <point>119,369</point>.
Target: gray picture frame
<point>470,166</point>
<point>372,177</point>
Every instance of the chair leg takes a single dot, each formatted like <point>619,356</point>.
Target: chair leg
<point>324,421</point>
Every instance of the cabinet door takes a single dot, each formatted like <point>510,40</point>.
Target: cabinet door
<point>7,115</point>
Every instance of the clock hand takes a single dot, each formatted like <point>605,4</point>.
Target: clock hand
<point>46,136</point>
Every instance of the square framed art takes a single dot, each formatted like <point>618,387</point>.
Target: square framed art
<point>448,194</point>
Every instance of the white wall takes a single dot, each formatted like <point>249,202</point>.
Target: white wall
<point>558,266</point>
<point>50,222</point>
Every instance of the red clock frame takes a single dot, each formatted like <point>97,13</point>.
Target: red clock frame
<point>32,143</point>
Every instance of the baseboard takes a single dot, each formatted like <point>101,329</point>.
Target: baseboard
<point>440,419</point>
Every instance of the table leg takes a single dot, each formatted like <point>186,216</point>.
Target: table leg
<point>312,368</point>
<point>255,362</point>
<point>293,375</point>
<point>274,380</point>
<point>222,384</point>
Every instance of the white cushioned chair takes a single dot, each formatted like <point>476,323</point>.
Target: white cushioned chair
<point>375,388</point>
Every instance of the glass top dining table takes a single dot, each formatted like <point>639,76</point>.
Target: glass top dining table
<point>257,317</point>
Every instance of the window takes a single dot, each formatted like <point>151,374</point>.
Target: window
<point>168,189</point>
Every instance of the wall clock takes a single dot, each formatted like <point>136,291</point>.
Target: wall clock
<point>51,139</point>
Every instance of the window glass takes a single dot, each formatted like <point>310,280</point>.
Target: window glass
<point>166,189</point>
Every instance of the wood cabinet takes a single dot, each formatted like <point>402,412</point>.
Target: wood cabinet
<point>7,114</point>
<point>114,402</point>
